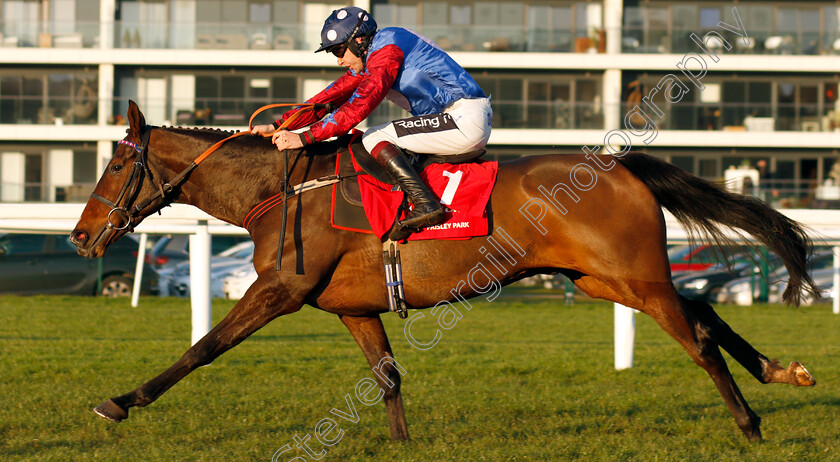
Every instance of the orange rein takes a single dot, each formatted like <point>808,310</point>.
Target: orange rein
<point>303,108</point>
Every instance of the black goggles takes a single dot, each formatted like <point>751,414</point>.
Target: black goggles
<point>339,50</point>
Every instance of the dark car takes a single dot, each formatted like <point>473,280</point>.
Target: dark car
<point>744,290</point>
<point>49,264</point>
<point>168,251</point>
<point>705,285</point>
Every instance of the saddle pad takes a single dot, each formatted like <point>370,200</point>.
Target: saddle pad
<point>464,189</point>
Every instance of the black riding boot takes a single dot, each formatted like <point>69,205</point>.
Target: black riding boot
<point>427,210</point>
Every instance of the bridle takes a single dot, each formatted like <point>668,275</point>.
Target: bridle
<point>129,210</point>
<point>140,170</point>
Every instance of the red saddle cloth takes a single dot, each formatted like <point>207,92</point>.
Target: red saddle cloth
<point>464,189</point>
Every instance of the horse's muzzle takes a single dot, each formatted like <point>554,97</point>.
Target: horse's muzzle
<point>80,239</point>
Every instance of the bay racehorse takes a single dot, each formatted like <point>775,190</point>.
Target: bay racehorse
<point>596,219</point>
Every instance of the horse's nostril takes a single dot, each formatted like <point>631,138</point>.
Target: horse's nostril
<point>78,237</point>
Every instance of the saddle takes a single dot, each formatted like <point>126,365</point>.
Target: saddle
<point>347,208</point>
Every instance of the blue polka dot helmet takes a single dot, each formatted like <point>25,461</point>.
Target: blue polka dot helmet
<point>344,25</point>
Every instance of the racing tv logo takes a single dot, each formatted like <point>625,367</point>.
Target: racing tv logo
<point>424,124</point>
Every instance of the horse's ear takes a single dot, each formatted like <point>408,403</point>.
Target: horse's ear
<point>136,121</point>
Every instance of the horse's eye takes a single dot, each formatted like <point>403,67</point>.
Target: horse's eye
<point>116,168</point>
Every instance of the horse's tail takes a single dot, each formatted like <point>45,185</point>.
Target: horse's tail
<point>706,209</point>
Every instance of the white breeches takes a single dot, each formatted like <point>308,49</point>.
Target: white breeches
<point>462,127</point>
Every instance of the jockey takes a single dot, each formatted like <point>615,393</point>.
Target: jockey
<point>452,114</point>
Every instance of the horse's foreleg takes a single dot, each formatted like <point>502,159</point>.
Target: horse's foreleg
<point>763,369</point>
<point>262,302</point>
<point>370,335</point>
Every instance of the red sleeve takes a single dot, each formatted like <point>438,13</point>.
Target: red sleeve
<point>381,71</point>
<point>337,93</point>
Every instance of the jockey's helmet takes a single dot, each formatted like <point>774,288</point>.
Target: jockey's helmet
<point>345,24</point>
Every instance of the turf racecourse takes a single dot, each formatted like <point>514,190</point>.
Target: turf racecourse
<point>515,379</point>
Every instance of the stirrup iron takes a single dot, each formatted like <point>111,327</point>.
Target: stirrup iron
<point>393,279</point>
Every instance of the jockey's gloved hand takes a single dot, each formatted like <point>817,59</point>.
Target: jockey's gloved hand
<point>263,130</point>
<point>330,107</point>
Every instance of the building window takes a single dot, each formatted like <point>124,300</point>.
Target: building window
<point>773,27</point>
<point>259,12</point>
<point>21,19</point>
<point>48,96</point>
<point>708,168</point>
<point>21,98</point>
<point>544,101</point>
<point>684,162</point>
<point>210,97</point>
<point>84,166</point>
<point>142,24</point>
<point>33,187</point>
<point>56,172</point>
<point>752,103</point>
<point>560,26</point>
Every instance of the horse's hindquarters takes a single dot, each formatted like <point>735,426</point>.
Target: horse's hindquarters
<point>589,216</point>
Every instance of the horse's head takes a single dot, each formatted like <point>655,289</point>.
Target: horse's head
<point>111,210</point>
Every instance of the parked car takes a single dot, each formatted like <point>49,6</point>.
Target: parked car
<point>168,251</point>
<point>171,250</point>
<point>823,279</point>
<point>686,258</point>
<point>705,285</point>
<point>49,264</point>
<point>221,265</point>
<point>743,290</point>
<point>238,281</point>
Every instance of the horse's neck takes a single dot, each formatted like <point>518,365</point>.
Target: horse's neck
<point>235,178</point>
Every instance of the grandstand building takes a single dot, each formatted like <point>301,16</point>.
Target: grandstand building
<point>707,85</point>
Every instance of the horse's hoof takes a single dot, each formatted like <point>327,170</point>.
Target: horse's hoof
<point>801,376</point>
<point>111,411</point>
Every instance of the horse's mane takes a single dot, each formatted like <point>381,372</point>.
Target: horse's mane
<point>215,134</point>
<point>200,130</point>
<point>254,150</point>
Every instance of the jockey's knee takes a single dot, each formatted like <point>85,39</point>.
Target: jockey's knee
<point>374,136</point>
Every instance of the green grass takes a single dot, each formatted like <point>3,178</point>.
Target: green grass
<point>515,379</point>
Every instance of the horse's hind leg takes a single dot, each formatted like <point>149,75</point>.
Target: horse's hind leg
<point>660,301</point>
<point>264,301</point>
<point>697,340</point>
<point>370,335</point>
<point>764,370</point>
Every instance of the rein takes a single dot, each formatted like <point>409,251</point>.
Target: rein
<point>140,170</point>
